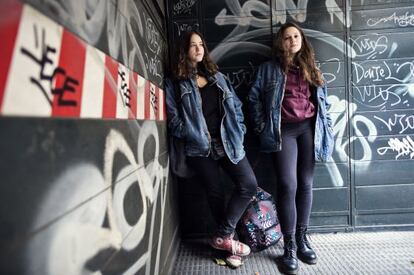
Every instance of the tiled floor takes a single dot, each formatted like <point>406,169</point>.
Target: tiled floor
<point>387,253</point>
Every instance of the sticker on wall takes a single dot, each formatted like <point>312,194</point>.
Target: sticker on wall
<point>50,72</point>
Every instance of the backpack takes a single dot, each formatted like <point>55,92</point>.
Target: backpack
<point>259,226</point>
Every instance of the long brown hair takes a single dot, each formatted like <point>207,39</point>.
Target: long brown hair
<point>305,58</point>
<point>183,68</point>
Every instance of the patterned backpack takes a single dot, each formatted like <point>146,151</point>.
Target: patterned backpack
<point>259,226</point>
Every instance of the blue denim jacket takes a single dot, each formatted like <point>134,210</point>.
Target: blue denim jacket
<point>186,120</point>
<point>265,102</point>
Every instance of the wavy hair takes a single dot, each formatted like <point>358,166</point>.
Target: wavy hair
<point>182,68</point>
<point>304,58</point>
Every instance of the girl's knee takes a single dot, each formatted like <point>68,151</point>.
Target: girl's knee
<point>250,188</point>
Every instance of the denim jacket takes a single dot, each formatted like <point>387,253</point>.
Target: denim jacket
<point>265,102</point>
<point>186,120</point>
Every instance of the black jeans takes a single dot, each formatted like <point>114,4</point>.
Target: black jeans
<point>294,166</point>
<point>245,183</point>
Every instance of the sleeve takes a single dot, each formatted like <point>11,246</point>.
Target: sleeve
<point>237,106</point>
<point>255,102</point>
<point>175,122</point>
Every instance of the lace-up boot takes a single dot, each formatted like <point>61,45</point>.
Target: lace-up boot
<point>305,252</point>
<point>289,262</point>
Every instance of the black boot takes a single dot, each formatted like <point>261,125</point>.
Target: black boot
<point>289,262</point>
<point>305,252</point>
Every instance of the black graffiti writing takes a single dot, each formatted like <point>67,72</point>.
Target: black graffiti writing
<point>69,83</point>
<point>154,99</point>
<point>125,91</point>
<point>128,34</point>
<point>68,86</point>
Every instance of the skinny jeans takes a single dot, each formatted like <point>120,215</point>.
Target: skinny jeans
<point>294,166</point>
<point>241,174</point>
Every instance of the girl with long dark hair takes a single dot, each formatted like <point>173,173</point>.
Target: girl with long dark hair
<point>207,115</point>
<point>289,109</point>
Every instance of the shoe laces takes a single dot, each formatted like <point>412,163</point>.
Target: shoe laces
<point>306,240</point>
<point>234,246</point>
<point>303,236</point>
<point>290,249</point>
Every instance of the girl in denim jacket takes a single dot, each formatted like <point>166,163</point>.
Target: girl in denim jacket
<point>289,109</point>
<point>208,116</point>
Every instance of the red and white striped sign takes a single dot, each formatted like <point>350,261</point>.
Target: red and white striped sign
<point>47,71</point>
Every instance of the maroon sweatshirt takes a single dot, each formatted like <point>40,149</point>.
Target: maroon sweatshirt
<point>297,104</point>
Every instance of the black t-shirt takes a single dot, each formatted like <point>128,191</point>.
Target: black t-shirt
<point>210,96</point>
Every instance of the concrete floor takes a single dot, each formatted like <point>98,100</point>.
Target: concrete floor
<point>388,253</point>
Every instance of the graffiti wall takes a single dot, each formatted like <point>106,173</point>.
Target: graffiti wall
<point>85,186</point>
<point>363,48</point>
